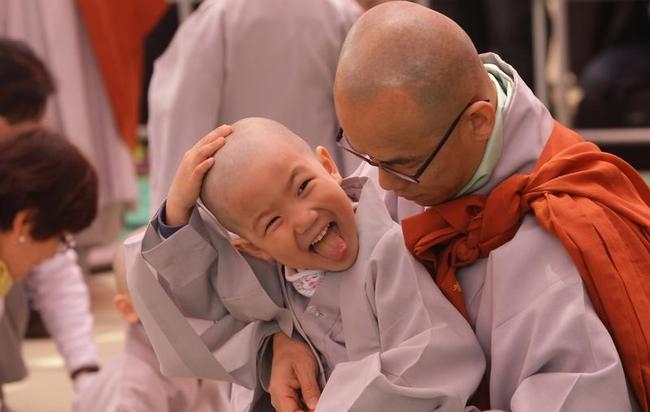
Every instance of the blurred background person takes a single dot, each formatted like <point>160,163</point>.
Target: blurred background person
<point>94,51</point>
<point>132,380</point>
<point>48,191</point>
<point>232,59</point>
<point>609,47</point>
<point>55,288</point>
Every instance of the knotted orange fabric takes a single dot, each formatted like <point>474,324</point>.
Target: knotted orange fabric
<point>594,203</point>
<point>117,31</point>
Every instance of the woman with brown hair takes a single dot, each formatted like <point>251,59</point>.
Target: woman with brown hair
<point>48,190</point>
<point>54,295</point>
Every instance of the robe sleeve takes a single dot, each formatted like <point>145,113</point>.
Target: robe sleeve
<point>549,350</point>
<point>126,384</point>
<point>183,263</point>
<point>429,358</point>
<point>192,331</point>
<point>59,292</point>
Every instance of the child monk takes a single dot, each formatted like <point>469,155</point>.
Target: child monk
<point>385,337</point>
<point>132,381</point>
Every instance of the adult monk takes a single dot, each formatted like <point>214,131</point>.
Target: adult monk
<point>536,236</point>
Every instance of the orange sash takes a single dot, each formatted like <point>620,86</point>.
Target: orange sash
<point>117,30</point>
<point>594,203</point>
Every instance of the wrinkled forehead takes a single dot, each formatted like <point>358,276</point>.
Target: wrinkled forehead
<point>385,126</point>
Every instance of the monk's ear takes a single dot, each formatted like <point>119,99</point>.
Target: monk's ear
<point>244,246</point>
<point>325,159</point>
<point>482,116</point>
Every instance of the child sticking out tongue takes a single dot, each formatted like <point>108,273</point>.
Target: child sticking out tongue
<point>331,246</point>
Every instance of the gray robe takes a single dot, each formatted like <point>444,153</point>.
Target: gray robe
<point>13,323</point>
<point>547,349</point>
<point>240,58</point>
<point>131,381</point>
<point>383,316</point>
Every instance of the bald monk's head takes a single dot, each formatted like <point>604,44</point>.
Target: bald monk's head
<point>404,75</point>
<point>403,44</point>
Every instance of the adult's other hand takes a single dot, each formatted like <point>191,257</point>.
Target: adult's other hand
<point>293,385</point>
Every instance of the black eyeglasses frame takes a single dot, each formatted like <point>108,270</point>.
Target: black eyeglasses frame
<point>415,178</point>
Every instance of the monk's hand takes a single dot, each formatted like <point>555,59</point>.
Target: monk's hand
<point>293,385</point>
<point>186,186</point>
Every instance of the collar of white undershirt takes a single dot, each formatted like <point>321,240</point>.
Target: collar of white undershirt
<point>504,85</point>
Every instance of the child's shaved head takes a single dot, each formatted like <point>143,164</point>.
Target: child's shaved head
<point>251,138</point>
<point>284,200</point>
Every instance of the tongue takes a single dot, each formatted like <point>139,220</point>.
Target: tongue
<point>332,246</point>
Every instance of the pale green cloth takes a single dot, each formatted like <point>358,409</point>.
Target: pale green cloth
<point>492,153</point>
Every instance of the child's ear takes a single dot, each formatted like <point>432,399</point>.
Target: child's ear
<point>244,246</point>
<point>125,308</point>
<point>328,163</point>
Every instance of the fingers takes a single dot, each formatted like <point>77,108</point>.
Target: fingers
<point>306,375</point>
<point>287,401</point>
<point>282,389</point>
<point>186,185</point>
<point>209,148</point>
<point>293,372</point>
<point>210,143</point>
<point>213,141</point>
<point>201,169</point>
<point>221,131</point>
<point>199,158</point>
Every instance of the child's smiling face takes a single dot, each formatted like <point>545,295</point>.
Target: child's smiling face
<point>293,207</point>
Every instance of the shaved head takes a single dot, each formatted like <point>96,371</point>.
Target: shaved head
<point>404,74</point>
<point>402,45</point>
<point>250,139</point>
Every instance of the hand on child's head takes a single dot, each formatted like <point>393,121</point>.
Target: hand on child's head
<point>186,186</point>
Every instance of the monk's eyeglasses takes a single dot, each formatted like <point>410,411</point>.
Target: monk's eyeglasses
<point>343,142</point>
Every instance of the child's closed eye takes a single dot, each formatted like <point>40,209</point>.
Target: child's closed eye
<point>303,186</point>
<point>271,224</point>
